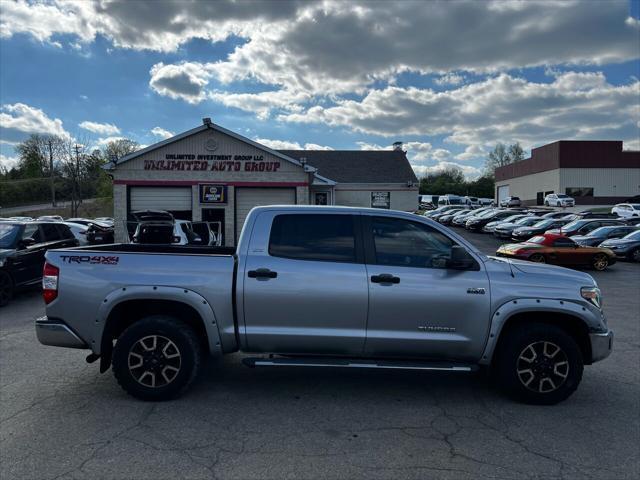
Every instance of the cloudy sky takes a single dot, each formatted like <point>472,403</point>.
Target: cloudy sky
<point>449,79</point>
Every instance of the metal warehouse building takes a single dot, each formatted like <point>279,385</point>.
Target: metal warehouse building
<point>593,172</point>
<point>212,174</point>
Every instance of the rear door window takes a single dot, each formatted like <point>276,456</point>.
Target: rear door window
<point>49,232</point>
<point>329,238</point>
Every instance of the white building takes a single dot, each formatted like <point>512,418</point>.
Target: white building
<point>210,173</point>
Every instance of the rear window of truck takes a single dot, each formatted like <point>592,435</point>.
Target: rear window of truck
<point>329,238</point>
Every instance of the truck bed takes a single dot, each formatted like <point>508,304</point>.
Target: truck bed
<point>150,248</point>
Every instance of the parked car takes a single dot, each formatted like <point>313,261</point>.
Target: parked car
<point>521,234</point>
<point>505,230</point>
<point>461,218</point>
<point>473,201</point>
<point>451,212</point>
<point>595,213</point>
<point>510,202</point>
<point>490,227</point>
<point>107,220</point>
<point>441,209</point>
<point>558,250</point>
<point>21,219</point>
<point>559,200</point>
<point>489,202</point>
<point>626,247</point>
<point>450,200</point>
<point>301,290</point>
<point>160,228</point>
<point>599,235</point>
<point>88,221</point>
<point>627,210</point>
<point>558,214</point>
<point>476,224</point>
<point>22,249</point>
<point>97,234</point>
<point>51,218</point>
<point>584,226</point>
<point>79,232</point>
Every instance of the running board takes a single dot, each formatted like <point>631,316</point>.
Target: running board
<point>357,363</point>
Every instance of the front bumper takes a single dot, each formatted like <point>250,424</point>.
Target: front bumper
<point>601,345</point>
<point>56,333</point>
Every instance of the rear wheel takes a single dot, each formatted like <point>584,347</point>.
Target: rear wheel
<point>156,358</point>
<point>635,254</point>
<point>600,262</point>
<point>538,258</point>
<point>539,364</point>
<point>6,288</point>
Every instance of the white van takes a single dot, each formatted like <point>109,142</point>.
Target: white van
<point>450,200</point>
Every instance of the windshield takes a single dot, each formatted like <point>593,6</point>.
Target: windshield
<point>562,195</point>
<point>512,218</point>
<point>8,234</point>
<point>538,239</point>
<point>601,232</point>
<point>636,206</point>
<point>633,235</point>
<point>572,225</point>
<point>543,223</point>
<point>527,221</point>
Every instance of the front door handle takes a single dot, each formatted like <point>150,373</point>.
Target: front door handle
<point>385,278</point>
<point>262,273</point>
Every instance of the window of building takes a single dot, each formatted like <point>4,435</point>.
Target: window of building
<point>328,238</point>
<point>404,243</point>
<point>579,191</point>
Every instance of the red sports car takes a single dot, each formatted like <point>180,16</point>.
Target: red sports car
<point>558,250</point>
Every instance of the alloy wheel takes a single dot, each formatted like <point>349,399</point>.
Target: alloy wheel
<point>154,361</point>
<point>542,367</point>
<point>635,255</point>
<point>600,262</point>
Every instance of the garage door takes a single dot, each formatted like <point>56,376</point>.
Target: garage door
<point>161,198</point>
<point>247,198</point>
<point>503,191</point>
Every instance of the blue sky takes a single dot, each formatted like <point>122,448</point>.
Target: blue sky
<point>448,79</point>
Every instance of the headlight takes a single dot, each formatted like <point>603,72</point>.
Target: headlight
<point>593,295</point>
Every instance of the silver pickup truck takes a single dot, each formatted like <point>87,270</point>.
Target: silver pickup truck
<point>328,287</point>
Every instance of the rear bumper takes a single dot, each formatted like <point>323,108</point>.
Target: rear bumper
<point>601,345</point>
<point>56,333</point>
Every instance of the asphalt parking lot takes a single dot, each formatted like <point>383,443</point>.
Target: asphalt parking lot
<point>59,418</point>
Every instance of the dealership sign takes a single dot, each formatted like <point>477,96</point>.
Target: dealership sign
<point>213,193</point>
<point>381,200</point>
<point>214,163</point>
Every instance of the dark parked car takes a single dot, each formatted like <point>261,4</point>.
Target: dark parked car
<point>521,234</point>
<point>558,250</point>
<point>504,230</point>
<point>22,249</point>
<point>601,234</point>
<point>477,223</point>
<point>626,247</point>
<point>584,226</point>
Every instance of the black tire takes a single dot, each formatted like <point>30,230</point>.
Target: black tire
<point>600,262</point>
<point>634,255</point>
<point>6,288</point>
<point>161,375</point>
<point>513,378</point>
<point>537,258</point>
<point>546,204</point>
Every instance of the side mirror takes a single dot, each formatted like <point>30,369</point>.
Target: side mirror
<point>460,259</point>
<point>27,242</point>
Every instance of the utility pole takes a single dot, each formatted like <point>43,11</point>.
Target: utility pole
<point>75,191</point>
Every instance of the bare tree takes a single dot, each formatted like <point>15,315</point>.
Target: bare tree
<point>117,149</point>
<point>502,155</point>
<point>516,153</point>
<point>74,160</point>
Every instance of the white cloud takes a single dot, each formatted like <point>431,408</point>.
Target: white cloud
<point>185,81</point>
<point>100,128</point>
<point>287,145</point>
<point>262,103</point>
<point>450,79</point>
<point>161,132</point>
<point>19,120</point>
<point>468,171</point>
<point>502,108</point>
<point>104,141</point>
<point>8,162</point>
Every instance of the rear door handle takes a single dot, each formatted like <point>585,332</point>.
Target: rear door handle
<point>385,278</point>
<point>262,273</point>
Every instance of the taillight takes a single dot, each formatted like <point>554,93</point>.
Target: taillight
<point>50,283</point>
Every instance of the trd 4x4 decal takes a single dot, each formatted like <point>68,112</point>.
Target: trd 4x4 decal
<point>90,259</point>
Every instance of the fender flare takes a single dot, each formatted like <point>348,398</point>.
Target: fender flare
<point>533,305</point>
<point>158,292</point>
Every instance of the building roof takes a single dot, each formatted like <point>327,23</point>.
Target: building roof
<point>358,166</point>
<point>571,154</point>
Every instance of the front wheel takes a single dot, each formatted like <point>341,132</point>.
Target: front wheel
<point>6,288</point>
<point>539,364</point>
<point>634,254</point>
<point>537,258</point>
<point>600,262</point>
<point>156,358</point>
<point>546,204</point>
